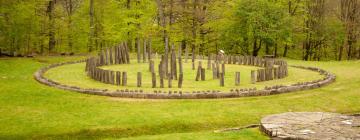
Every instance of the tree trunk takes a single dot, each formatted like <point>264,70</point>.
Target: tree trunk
<point>129,37</point>
<point>341,50</point>
<point>276,51</point>
<point>92,27</point>
<point>350,45</point>
<point>138,49</point>
<point>285,50</point>
<point>70,43</point>
<point>194,28</point>
<point>267,49</point>
<point>256,48</point>
<point>51,13</point>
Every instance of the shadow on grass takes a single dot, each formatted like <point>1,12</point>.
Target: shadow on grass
<point>95,134</point>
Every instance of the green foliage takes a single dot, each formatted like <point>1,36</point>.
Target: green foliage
<point>274,26</point>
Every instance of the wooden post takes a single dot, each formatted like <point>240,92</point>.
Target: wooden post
<point>202,74</point>
<point>258,76</point>
<point>217,69</point>
<point>106,57</point>
<point>149,50</point>
<point>180,81</point>
<point>271,73</point>
<point>139,78</point>
<point>117,55</point>
<point>153,80</point>
<point>214,71</point>
<point>186,54</point>
<point>179,51</point>
<point>173,64</point>
<point>111,55</point>
<point>144,51</point>
<point>107,77</point>
<point>161,71</point>
<point>263,75</point>
<point>275,73</point>
<point>223,68</point>
<point>138,49</point>
<point>180,65</point>
<point>127,55</point>
<point>124,79</point>
<point>229,59</point>
<point>151,68</point>
<point>253,77</point>
<point>113,78</point>
<point>209,62</point>
<point>118,78</point>
<point>198,73</point>
<point>169,80</point>
<point>193,65</point>
<point>237,79</point>
<point>120,55</point>
<point>222,80</point>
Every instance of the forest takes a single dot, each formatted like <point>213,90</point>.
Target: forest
<point>312,30</point>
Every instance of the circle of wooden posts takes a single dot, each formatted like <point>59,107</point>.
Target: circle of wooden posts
<point>270,68</point>
<point>174,94</point>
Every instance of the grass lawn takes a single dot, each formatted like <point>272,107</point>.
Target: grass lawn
<point>74,75</point>
<point>29,110</point>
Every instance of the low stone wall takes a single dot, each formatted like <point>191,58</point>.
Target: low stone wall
<point>174,94</point>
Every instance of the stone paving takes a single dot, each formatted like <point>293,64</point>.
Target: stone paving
<point>312,125</point>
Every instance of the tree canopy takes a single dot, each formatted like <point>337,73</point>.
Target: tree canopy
<point>302,29</point>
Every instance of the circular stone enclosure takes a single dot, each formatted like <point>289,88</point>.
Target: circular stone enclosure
<point>170,77</point>
<point>79,82</point>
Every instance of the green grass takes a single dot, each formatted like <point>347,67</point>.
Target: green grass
<point>74,75</point>
<point>29,110</point>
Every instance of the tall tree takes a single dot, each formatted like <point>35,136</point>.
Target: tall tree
<point>350,18</point>
<point>70,6</point>
<point>314,25</point>
<point>92,27</point>
<point>51,14</point>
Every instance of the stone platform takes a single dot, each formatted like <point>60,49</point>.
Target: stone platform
<point>311,125</point>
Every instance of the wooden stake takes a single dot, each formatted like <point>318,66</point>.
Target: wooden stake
<point>139,79</point>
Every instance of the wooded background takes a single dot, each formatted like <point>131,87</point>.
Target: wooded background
<point>299,29</point>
